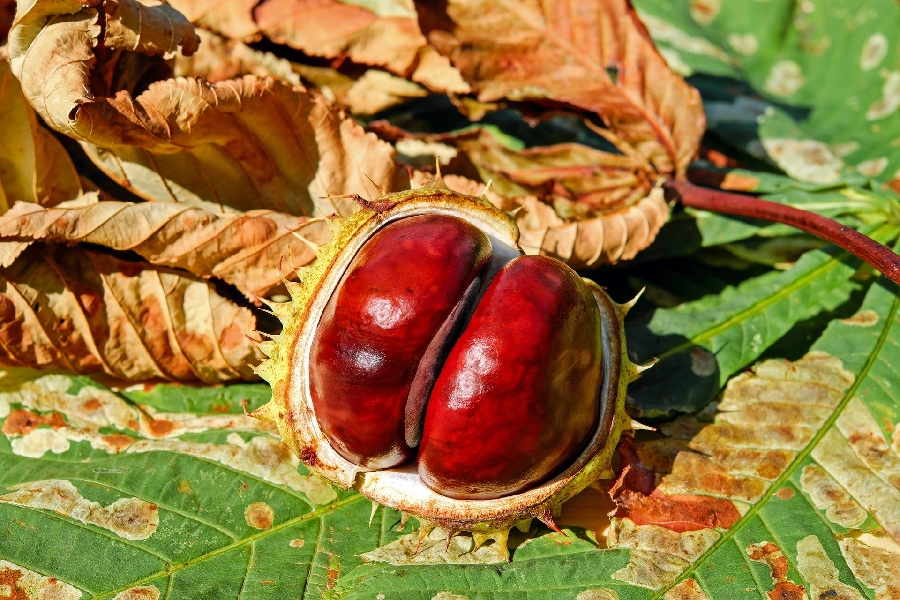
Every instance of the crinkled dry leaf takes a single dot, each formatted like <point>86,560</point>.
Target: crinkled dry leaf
<point>581,205</point>
<point>245,250</point>
<point>34,167</point>
<point>595,55</point>
<point>383,34</point>
<point>87,312</point>
<point>220,58</point>
<point>239,144</point>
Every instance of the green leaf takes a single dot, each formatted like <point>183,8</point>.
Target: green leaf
<point>700,344</point>
<point>839,494</point>
<point>106,495</point>
<point>837,58</point>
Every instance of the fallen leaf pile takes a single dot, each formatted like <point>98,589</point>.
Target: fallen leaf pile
<point>238,154</point>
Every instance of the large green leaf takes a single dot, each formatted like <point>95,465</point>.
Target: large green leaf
<point>106,495</point>
<point>700,344</point>
<point>836,57</point>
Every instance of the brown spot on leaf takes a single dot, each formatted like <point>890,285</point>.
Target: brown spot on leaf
<point>117,442</point>
<point>827,495</point>
<point>688,589</point>
<point>770,554</point>
<point>159,427</point>
<point>739,182</point>
<point>143,592</point>
<point>9,580</point>
<point>819,570</point>
<point>785,493</point>
<point>19,583</point>
<point>297,543</point>
<point>259,515</point>
<point>21,422</point>
<point>130,518</point>
<point>864,318</point>
<point>637,498</point>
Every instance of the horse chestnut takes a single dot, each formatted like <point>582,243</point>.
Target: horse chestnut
<point>428,364</point>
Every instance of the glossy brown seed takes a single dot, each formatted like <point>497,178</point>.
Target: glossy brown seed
<point>516,401</point>
<point>372,359</point>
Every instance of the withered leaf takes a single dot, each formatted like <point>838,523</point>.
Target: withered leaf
<point>244,250</point>
<point>382,34</point>
<point>581,205</point>
<point>595,55</point>
<point>87,312</point>
<point>34,167</point>
<point>239,144</point>
<point>220,58</point>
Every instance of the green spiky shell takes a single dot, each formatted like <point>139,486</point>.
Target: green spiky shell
<point>291,407</point>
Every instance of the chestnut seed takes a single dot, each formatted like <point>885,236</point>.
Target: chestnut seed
<point>505,400</point>
<point>516,400</point>
<point>397,299</point>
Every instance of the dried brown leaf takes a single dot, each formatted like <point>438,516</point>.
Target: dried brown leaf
<point>595,55</point>
<point>86,312</point>
<point>384,34</point>
<point>244,250</point>
<point>220,58</point>
<point>34,167</point>
<point>239,144</point>
<point>581,205</point>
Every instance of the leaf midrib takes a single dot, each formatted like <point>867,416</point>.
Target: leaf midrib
<point>801,456</point>
<point>168,572</point>
<point>755,309</point>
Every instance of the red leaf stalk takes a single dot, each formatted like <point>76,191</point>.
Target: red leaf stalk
<point>877,255</point>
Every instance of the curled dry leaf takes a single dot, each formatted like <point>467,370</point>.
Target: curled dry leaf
<point>34,167</point>
<point>381,34</point>
<point>244,250</point>
<point>581,205</point>
<point>595,55</point>
<point>239,144</point>
<point>90,313</point>
<point>220,58</point>
<point>595,207</point>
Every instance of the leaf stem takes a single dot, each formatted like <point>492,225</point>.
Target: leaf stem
<point>877,255</point>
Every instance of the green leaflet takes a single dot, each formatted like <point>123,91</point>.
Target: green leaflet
<point>851,447</point>
<point>701,344</point>
<point>834,56</point>
<point>197,505</point>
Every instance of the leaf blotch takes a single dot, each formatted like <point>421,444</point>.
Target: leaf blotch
<point>688,589</point>
<point>21,422</point>
<point>130,518</point>
<point>827,495</point>
<point>785,493</point>
<point>143,592</point>
<point>864,318</point>
<point>771,555</point>
<point>259,515</point>
<point>819,570</point>
<point>19,583</point>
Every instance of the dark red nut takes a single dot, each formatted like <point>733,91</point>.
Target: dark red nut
<point>395,305</point>
<point>516,400</point>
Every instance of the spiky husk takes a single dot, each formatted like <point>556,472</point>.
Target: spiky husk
<point>291,407</point>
